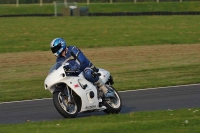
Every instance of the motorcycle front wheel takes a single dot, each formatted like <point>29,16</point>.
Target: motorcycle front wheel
<point>68,109</point>
<point>113,105</point>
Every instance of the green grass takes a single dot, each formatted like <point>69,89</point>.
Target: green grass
<point>35,33</point>
<point>157,77</point>
<point>134,67</point>
<point>175,121</point>
<point>145,7</point>
<point>28,34</point>
<point>152,62</point>
<point>21,78</point>
<point>26,9</point>
<point>104,7</point>
<point>23,89</point>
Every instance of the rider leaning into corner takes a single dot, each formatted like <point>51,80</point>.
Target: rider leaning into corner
<point>78,62</point>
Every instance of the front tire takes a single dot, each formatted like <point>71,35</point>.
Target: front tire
<point>113,105</point>
<point>65,108</point>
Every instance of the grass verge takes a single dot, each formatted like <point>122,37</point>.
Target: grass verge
<point>176,121</point>
<point>133,67</point>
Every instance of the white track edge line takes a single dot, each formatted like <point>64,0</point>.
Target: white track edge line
<point>119,91</point>
<point>161,87</point>
<point>26,100</point>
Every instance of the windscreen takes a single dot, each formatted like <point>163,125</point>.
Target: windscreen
<point>55,67</point>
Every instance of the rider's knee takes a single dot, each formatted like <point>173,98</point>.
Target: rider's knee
<point>88,75</point>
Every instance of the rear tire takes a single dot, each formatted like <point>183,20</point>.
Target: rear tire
<point>113,105</point>
<point>65,108</point>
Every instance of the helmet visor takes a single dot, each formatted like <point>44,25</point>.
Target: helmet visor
<point>56,48</point>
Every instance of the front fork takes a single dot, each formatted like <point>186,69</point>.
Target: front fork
<point>69,94</point>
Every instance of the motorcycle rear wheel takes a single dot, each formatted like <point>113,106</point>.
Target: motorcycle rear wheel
<point>113,105</point>
<point>65,108</point>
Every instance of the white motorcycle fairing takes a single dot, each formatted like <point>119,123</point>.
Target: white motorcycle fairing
<point>83,88</point>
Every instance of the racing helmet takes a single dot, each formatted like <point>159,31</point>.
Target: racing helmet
<point>58,45</point>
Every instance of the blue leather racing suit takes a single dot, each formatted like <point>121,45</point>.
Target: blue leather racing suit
<point>78,62</point>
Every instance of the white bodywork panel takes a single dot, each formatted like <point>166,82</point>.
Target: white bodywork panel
<point>74,82</point>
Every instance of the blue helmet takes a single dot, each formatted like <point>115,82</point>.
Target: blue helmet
<point>58,45</point>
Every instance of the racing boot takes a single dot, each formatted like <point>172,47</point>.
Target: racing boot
<point>107,93</point>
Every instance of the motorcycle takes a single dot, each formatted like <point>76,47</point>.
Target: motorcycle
<point>75,94</point>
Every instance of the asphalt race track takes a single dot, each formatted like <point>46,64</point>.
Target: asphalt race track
<point>133,101</point>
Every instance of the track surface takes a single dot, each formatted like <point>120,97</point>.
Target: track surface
<point>133,101</point>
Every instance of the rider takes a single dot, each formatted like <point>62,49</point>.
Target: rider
<point>77,62</point>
